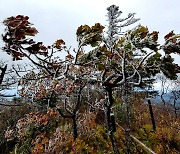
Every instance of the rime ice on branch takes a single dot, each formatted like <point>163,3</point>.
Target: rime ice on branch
<point>116,23</point>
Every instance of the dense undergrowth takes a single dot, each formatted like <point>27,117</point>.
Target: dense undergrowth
<point>25,130</point>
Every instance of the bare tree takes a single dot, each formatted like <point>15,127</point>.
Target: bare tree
<point>165,85</point>
<point>175,90</point>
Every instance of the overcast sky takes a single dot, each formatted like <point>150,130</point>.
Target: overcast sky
<point>56,19</point>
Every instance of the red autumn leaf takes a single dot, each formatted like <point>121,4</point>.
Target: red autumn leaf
<point>26,18</point>
<point>69,56</point>
<point>59,44</point>
<point>34,48</point>
<point>17,55</point>
<point>116,57</point>
<point>45,119</point>
<point>109,54</point>
<point>52,113</point>
<point>19,17</point>
<point>19,33</point>
<point>31,31</point>
<point>169,35</point>
<point>155,35</point>
<point>80,53</point>
<point>42,47</point>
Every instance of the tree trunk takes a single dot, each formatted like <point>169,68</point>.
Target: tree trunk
<point>126,100</point>
<point>75,133</point>
<point>162,98</point>
<point>175,110</point>
<point>114,142</point>
<point>109,123</point>
<point>152,115</point>
<point>3,70</point>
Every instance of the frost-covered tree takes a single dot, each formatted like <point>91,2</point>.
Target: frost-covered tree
<point>56,82</point>
<point>126,59</point>
<point>116,23</point>
<point>118,59</point>
<point>9,76</point>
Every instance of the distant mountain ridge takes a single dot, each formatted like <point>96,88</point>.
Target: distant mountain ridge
<point>169,98</point>
<point>169,102</point>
